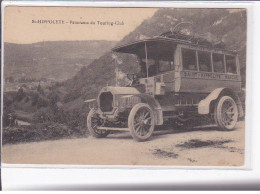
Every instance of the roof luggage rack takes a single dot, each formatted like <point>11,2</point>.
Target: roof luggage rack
<point>193,39</point>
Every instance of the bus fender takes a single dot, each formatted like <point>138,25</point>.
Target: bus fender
<point>204,105</point>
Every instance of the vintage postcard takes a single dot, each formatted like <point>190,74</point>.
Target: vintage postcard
<point>124,86</point>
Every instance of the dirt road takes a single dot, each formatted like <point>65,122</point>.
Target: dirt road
<point>200,146</point>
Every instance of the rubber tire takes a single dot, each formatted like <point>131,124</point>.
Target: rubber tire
<point>89,125</point>
<point>131,122</point>
<point>217,113</point>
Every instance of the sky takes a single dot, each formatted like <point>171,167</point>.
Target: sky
<point>20,23</point>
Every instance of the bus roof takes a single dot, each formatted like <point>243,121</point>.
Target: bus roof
<point>134,47</point>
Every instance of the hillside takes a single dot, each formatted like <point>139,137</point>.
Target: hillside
<point>57,60</point>
<point>229,26</point>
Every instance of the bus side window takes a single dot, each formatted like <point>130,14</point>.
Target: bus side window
<point>189,59</point>
<point>218,63</point>
<point>204,59</point>
<point>231,64</point>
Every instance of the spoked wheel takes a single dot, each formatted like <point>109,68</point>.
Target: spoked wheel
<point>141,122</point>
<point>226,113</point>
<point>93,121</point>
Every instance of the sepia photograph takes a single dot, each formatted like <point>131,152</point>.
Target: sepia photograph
<point>124,86</point>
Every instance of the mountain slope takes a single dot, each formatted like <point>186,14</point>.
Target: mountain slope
<point>57,60</point>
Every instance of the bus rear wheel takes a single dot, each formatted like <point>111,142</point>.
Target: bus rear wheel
<point>226,113</point>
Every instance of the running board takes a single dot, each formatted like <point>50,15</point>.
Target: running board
<point>113,129</point>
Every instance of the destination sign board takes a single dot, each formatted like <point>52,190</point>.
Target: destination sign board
<point>209,75</point>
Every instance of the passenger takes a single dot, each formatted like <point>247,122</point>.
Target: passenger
<point>153,68</point>
<point>231,69</point>
<point>204,67</point>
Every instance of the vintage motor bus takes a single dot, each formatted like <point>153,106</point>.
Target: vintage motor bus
<point>182,79</point>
